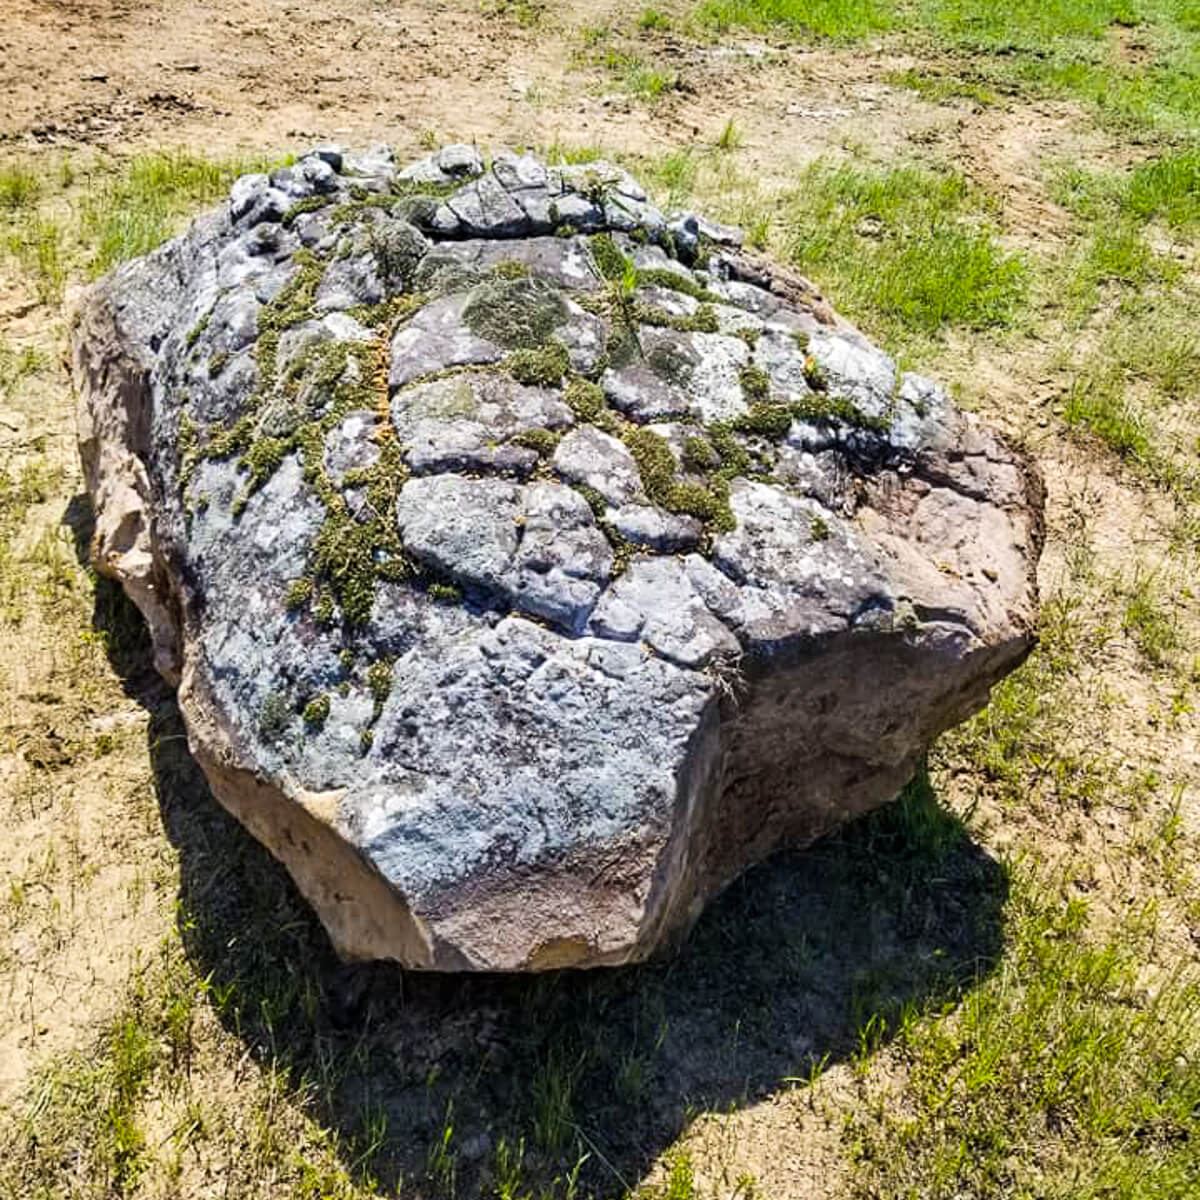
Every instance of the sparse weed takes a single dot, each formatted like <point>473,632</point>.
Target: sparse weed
<point>527,13</point>
<point>938,89</point>
<point>39,245</point>
<point>16,365</point>
<point>1149,618</point>
<point>730,137</point>
<point>1102,405</point>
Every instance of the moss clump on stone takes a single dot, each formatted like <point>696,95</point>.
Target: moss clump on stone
<point>511,268</point>
<point>734,459</point>
<point>656,465</point>
<point>229,441</point>
<point>445,593</point>
<point>298,593</point>
<point>677,282</point>
<point>818,529</point>
<point>814,374</point>
<point>543,366</point>
<point>756,383</point>
<point>310,204</point>
<point>262,459</point>
<point>771,421</point>
<point>596,501</point>
<point>325,610</point>
<point>366,740</point>
<point>699,456</point>
<point>584,398</point>
<point>609,260</point>
<point>350,555</point>
<point>316,712</point>
<point>273,716</point>
<point>216,364</point>
<point>749,336</point>
<point>824,408</point>
<point>703,320</point>
<point>544,441</point>
<point>379,680</point>
<point>194,334</point>
<point>518,314</point>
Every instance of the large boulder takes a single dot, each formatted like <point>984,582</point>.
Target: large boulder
<point>530,562</point>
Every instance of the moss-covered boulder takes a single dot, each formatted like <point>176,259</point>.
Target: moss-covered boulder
<point>530,561</point>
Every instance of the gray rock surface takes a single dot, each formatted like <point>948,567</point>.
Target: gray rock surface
<point>530,563</point>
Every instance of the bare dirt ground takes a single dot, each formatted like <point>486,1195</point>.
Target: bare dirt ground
<point>93,864</point>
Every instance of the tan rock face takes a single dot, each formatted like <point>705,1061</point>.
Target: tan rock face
<point>522,590</point>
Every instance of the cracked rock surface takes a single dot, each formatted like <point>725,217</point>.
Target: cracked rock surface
<point>529,561</point>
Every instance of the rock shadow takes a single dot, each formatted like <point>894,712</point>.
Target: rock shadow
<point>437,1082</point>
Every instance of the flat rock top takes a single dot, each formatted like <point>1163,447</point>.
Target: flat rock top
<point>479,483</point>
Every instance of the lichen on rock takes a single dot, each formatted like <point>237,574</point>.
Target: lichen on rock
<point>454,494</point>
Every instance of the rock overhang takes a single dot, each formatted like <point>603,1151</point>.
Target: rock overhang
<point>494,522</point>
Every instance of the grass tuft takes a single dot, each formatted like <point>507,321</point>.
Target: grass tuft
<point>20,187</point>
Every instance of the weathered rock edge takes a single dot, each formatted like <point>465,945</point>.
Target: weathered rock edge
<point>756,706</point>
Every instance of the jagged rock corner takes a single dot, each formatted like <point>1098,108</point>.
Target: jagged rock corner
<point>530,563</point>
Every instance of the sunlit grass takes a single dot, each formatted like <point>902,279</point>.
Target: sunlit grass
<point>840,19</point>
<point>1067,1074</point>
<point>129,213</point>
<point>914,247</point>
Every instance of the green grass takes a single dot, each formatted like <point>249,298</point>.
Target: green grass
<point>939,88</point>
<point>1150,620</point>
<point>840,19</point>
<point>1138,303</point>
<point>128,214</point>
<point>20,187</point>
<point>911,246</point>
<point>1065,1075</point>
<point>654,19</point>
<point>1166,188</point>
<point>1063,48</point>
<point>1025,24</point>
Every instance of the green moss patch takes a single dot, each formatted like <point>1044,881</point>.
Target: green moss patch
<point>316,712</point>
<point>515,313</point>
<point>542,366</point>
<point>656,465</point>
<point>544,441</point>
